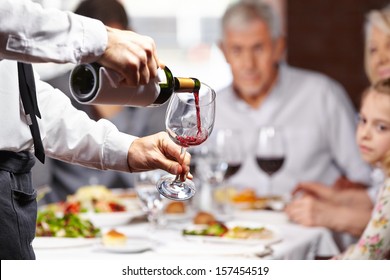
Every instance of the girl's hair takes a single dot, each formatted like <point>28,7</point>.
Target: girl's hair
<point>383,86</point>
<point>381,20</point>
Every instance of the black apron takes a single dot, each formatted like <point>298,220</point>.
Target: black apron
<point>18,206</point>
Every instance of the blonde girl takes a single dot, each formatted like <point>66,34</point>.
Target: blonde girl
<point>373,138</point>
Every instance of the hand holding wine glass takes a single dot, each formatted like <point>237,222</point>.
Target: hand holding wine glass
<point>189,121</point>
<point>270,151</point>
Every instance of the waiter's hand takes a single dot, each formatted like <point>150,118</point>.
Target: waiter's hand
<point>131,55</point>
<point>158,151</point>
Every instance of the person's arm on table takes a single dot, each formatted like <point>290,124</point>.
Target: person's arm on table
<point>355,195</point>
<point>309,211</point>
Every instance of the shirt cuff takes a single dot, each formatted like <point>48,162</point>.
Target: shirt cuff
<point>116,150</point>
<point>95,39</point>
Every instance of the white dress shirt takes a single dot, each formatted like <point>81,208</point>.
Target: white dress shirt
<point>33,34</point>
<point>29,33</point>
<point>319,124</point>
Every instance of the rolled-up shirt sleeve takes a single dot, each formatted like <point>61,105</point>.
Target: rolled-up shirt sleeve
<point>31,33</point>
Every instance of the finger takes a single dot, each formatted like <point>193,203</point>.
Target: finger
<point>160,63</point>
<point>153,60</point>
<point>187,158</point>
<point>170,166</point>
<point>130,71</point>
<point>171,150</point>
<point>301,188</point>
<point>148,46</point>
<point>141,65</point>
<point>190,176</point>
<point>135,68</point>
<point>312,189</point>
<point>152,66</point>
<point>144,75</point>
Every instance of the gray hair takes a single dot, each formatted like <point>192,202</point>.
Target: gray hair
<point>381,20</point>
<point>378,18</point>
<point>245,11</point>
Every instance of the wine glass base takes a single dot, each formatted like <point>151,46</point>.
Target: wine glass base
<point>169,188</point>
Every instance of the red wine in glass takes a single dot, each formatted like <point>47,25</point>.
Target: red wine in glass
<point>186,141</point>
<point>232,169</point>
<point>270,165</point>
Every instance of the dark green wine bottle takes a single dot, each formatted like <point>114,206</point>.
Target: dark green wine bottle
<point>94,84</point>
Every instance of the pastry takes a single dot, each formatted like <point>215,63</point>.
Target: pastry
<point>175,207</point>
<point>114,238</point>
<point>204,218</point>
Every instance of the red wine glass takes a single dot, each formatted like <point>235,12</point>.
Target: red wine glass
<point>189,121</point>
<point>270,151</point>
<point>230,149</point>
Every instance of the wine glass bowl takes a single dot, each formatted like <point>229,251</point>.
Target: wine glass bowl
<point>230,148</point>
<point>270,150</point>
<point>189,121</point>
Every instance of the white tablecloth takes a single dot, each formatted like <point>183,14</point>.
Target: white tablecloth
<point>297,242</point>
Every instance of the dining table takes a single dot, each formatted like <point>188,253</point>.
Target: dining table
<point>291,242</point>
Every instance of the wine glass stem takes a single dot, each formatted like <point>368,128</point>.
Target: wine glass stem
<point>182,156</point>
<point>269,185</point>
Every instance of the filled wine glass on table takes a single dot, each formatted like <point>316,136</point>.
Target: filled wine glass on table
<point>220,158</point>
<point>270,151</point>
<point>230,148</point>
<point>225,158</point>
<point>189,121</point>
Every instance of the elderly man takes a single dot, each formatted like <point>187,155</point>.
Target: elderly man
<point>314,112</point>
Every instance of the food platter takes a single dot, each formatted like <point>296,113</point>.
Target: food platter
<point>239,232</point>
<point>101,206</point>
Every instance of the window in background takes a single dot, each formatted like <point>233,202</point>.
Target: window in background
<point>186,34</point>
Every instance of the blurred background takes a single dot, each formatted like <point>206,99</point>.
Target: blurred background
<point>322,35</point>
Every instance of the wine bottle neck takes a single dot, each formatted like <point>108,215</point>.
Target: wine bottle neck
<point>175,84</point>
<point>186,84</point>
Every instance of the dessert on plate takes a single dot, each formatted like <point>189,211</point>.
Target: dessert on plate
<point>114,238</point>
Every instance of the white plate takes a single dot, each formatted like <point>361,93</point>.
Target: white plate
<point>275,238</point>
<point>62,242</point>
<point>111,219</point>
<point>131,246</point>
